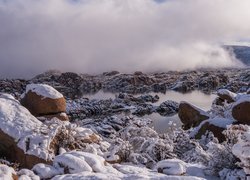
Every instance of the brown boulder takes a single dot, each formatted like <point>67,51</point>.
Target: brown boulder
<point>190,115</point>
<point>217,131</point>
<point>40,105</point>
<point>241,112</point>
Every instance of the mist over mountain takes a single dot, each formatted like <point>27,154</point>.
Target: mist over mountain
<point>93,36</point>
<point>241,52</point>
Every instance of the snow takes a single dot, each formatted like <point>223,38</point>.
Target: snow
<point>6,172</point>
<point>45,171</point>
<point>226,92</point>
<point>172,167</point>
<point>43,90</point>
<point>201,111</point>
<point>26,174</point>
<point>17,122</point>
<point>242,98</point>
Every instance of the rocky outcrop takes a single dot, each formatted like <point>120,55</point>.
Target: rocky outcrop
<point>241,110</point>
<point>190,115</point>
<point>43,100</point>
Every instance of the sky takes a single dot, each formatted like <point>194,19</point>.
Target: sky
<point>94,36</point>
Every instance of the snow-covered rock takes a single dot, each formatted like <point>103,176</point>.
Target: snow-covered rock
<point>42,99</point>
<point>172,167</point>
<point>7,172</point>
<point>43,90</point>
<point>45,171</point>
<point>226,95</point>
<point>77,161</point>
<point>215,125</point>
<point>28,138</point>
<point>241,109</point>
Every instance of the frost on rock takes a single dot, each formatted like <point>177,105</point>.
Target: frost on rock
<point>43,90</point>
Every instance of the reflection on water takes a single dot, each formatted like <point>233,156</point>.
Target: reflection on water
<point>162,123</point>
<point>100,95</point>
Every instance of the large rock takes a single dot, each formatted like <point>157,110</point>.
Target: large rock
<point>216,126</point>
<point>23,138</point>
<point>241,110</point>
<point>190,115</point>
<point>41,99</point>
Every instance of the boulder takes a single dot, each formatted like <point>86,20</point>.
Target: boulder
<point>23,138</point>
<point>241,110</point>
<point>226,95</point>
<point>41,99</point>
<point>190,115</point>
<point>216,126</point>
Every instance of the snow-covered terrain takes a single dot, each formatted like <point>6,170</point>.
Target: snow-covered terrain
<point>110,138</point>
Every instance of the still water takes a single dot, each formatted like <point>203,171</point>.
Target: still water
<point>163,123</point>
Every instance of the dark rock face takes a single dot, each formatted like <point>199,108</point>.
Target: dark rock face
<point>217,131</point>
<point>191,116</point>
<point>241,112</point>
<point>39,105</point>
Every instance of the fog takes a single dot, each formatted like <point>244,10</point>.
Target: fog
<point>93,36</point>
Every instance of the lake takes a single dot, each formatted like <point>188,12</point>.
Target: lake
<point>160,123</point>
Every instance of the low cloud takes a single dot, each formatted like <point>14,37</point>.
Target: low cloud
<point>92,36</point>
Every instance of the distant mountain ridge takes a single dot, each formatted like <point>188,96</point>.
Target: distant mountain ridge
<point>241,52</point>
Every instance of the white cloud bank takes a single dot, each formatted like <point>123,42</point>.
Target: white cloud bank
<point>92,36</point>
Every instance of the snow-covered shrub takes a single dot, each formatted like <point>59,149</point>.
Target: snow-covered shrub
<point>220,156</point>
<point>235,174</point>
<point>242,148</point>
